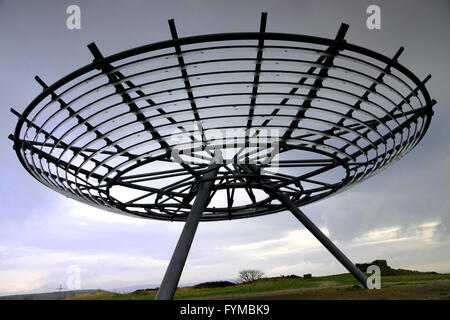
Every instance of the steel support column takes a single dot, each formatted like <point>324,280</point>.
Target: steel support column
<point>176,264</point>
<point>338,254</point>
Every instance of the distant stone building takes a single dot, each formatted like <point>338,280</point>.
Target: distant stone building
<point>382,264</point>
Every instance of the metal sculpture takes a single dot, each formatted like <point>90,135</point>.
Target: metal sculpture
<point>139,132</point>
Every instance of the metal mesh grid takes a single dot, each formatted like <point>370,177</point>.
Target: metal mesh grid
<point>106,133</point>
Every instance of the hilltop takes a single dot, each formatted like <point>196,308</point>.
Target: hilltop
<point>413,285</point>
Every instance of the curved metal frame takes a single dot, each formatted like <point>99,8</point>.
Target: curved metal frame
<point>385,111</point>
<point>342,112</point>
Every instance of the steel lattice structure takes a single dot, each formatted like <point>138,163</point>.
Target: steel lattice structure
<point>106,134</point>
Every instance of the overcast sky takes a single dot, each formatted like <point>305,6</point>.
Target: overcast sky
<point>401,214</point>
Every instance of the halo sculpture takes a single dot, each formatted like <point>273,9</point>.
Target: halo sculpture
<point>167,130</point>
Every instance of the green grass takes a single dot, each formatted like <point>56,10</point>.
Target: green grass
<point>347,278</point>
<point>326,284</point>
<point>263,285</point>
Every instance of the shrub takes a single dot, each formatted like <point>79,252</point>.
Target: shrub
<point>250,275</point>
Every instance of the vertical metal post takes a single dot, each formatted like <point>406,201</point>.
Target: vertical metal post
<point>338,254</point>
<point>176,264</point>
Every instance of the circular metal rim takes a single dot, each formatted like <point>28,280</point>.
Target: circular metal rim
<point>223,37</point>
<point>341,45</point>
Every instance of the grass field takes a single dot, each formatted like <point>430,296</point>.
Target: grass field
<point>342,286</point>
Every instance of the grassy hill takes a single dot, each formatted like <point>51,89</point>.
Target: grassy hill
<point>402,285</point>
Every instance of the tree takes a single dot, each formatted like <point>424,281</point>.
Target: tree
<point>246,276</point>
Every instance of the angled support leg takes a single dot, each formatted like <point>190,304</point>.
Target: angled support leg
<point>176,264</point>
<point>321,237</point>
